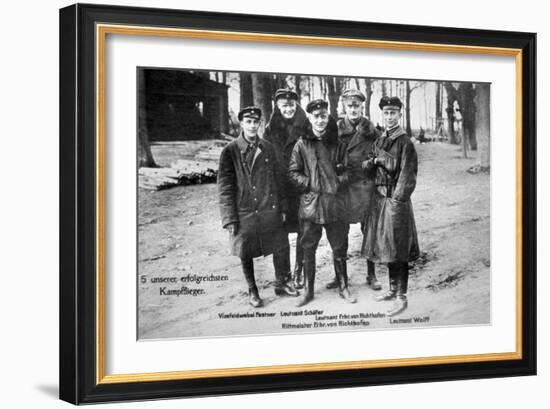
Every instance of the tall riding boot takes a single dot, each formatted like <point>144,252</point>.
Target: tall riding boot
<point>392,291</point>
<point>298,277</point>
<point>401,303</point>
<point>281,263</point>
<point>309,270</point>
<point>372,281</point>
<point>340,268</point>
<point>333,284</point>
<point>253,295</point>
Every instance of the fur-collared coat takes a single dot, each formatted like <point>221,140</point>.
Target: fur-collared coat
<point>283,135</point>
<point>359,140</point>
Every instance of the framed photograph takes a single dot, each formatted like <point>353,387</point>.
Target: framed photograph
<point>257,203</point>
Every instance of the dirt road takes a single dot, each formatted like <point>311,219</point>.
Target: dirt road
<point>180,238</point>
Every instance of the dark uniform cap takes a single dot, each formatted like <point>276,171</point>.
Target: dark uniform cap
<point>316,104</point>
<point>285,93</point>
<point>349,93</point>
<point>250,112</point>
<point>393,102</point>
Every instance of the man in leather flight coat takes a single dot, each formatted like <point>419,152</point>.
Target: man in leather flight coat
<point>358,134</point>
<point>390,227</point>
<point>317,170</point>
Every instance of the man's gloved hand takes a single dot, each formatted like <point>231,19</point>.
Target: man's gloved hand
<point>368,164</point>
<point>233,228</point>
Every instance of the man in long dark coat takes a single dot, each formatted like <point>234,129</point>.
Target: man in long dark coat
<point>286,125</point>
<point>390,227</point>
<point>252,203</point>
<point>317,169</point>
<point>358,134</point>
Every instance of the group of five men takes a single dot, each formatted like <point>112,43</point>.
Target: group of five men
<point>310,172</point>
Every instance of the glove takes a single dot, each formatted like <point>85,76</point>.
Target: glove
<point>368,164</point>
<point>233,228</point>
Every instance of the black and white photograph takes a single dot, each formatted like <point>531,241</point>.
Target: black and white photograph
<point>283,203</point>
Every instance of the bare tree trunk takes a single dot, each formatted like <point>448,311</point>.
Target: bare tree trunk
<point>466,94</point>
<point>483,124</point>
<point>261,91</point>
<point>368,95</point>
<point>280,81</point>
<point>333,96</point>
<point>145,156</point>
<point>408,107</point>
<point>245,81</point>
<point>438,107</point>
<point>297,79</point>
<point>451,97</point>
<point>383,88</point>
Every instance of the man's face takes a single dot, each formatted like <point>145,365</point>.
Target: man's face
<point>287,107</point>
<point>391,116</point>
<point>250,126</point>
<point>353,108</point>
<point>319,120</point>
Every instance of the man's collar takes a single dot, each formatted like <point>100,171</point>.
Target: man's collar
<point>243,142</point>
<point>395,132</point>
<point>320,136</point>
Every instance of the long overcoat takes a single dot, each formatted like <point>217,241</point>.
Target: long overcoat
<point>283,135</point>
<point>313,170</point>
<point>390,230</point>
<point>252,198</point>
<point>359,140</point>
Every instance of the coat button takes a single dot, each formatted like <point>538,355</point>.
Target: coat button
<point>273,206</point>
<point>256,211</point>
<point>253,187</point>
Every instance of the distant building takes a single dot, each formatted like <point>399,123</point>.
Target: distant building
<point>179,105</point>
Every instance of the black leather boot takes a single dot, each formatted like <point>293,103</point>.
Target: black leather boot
<point>340,268</point>
<point>254,298</point>
<point>372,281</point>
<point>253,295</point>
<point>298,277</point>
<point>283,283</point>
<point>309,271</point>
<point>401,303</point>
<point>284,287</point>
<point>335,283</point>
<point>392,291</point>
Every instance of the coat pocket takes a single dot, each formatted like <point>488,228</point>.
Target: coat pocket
<point>308,205</point>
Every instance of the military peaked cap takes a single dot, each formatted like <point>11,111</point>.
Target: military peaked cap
<point>285,93</point>
<point>250,112</point>
<point>391,102</point>
<point>316,104</point>
<point>350,93</point>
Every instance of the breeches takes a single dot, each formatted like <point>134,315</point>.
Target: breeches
<point>337,235</point>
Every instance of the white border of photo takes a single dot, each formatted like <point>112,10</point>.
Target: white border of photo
<point>124,354</point>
